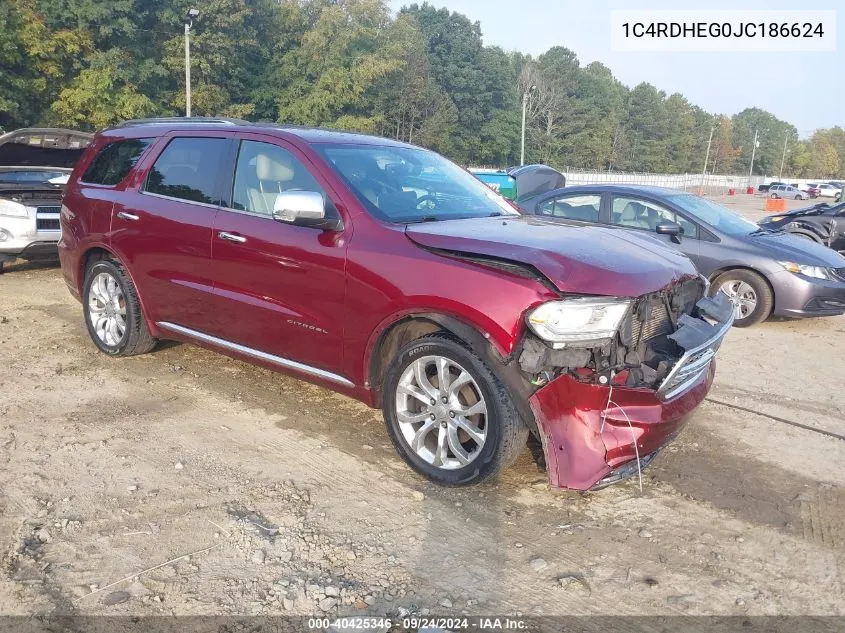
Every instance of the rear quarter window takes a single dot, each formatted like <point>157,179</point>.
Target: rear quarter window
<point>114,161</point>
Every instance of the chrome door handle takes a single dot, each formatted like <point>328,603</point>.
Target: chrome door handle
<point>127,216</point>
<point>231,237</point>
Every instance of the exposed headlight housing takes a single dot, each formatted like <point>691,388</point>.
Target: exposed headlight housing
<point>12,209</point>
<point>817,272</point>
<point>577,320</point>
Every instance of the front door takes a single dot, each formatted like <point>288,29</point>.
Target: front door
<point>279,288</point>
<point>644,215</point>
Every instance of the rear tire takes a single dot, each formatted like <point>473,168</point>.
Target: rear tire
<point>424,420</point>
<point>112,310</point>
<point>745,286</point>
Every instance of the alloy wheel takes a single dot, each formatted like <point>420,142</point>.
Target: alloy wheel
<point>743,296</point>
<point>441,412</point>
<point>107,309</point>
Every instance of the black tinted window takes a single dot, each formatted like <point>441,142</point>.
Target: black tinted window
<point>115,160</point>
<point>189,169</point>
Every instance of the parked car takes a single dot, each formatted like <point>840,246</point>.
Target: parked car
<point>829,190</point>
<point>34,165</point>
<point>517,183</point>
<point>823,223</point>
<point>385,272</point>
<point>766,273</point>
<point>787,191</point>
<point>763,188</point>
<point>812,190</point>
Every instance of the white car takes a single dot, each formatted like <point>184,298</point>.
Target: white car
<point>787,191</point>
<point>827,190</point>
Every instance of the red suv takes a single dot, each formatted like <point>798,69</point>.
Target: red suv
<point>385,272</point>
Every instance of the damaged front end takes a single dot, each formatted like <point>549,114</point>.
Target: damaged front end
<point>610,401</point>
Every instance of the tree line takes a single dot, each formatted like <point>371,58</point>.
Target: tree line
<point>423,75</point>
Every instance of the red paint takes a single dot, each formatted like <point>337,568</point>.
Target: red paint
<point>325,299</point>
<point>580,450</point>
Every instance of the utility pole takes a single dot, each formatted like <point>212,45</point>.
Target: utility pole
<point>783,158</point>
<point>524,109</point>
<point>706,158</point>
<point>753,152</point>
<point>189,22</point>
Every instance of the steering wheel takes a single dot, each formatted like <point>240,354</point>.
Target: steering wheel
<point>428,199</point>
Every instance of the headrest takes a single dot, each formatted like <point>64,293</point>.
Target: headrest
<point>630,211</point>
<point>267,168</point>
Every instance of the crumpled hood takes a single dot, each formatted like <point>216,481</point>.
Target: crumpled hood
<point>786,247</point>
<point>579,259</point>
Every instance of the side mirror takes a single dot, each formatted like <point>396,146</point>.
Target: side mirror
<point>665,227</point>
<point>304,208</point>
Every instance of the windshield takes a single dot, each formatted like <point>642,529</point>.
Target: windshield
<point>714,215</point>
<point>399,184</point>
<point>29,177</point>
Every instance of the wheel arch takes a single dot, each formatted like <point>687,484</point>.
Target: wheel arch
<point>99,252</point>
<point>413,326</point>
<point>410,327</point>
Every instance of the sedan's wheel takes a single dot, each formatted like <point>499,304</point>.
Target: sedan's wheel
<point>750,293</point>
<point>112,311</point>
<point>774,195</point>
<point>449,416</point>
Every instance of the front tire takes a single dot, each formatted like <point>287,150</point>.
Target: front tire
<point>112,311</point>
<point>798,197</point>
<point>449,417</point>
<point>773,196</point>
<point>750,292</point>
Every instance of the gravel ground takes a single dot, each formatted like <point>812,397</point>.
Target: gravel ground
<point>185,482</point>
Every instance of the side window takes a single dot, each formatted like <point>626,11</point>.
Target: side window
<point>114,161</point>
<point>189,169</point>
<point>265,170</point>
<point>641,214</point>
<point>574,207</point>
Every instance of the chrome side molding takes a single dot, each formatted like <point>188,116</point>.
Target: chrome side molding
<point>248,351</point>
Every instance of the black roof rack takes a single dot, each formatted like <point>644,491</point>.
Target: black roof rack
<point>177,120</point>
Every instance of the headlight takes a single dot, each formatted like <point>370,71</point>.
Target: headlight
<point>12,209</point>
<point>776,218</point>
<point>573,320</point>
<point>817,272</point>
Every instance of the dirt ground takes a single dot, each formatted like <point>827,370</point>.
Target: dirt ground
<point>272,496</point>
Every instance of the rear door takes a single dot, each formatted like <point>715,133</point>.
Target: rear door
<point>279,288</point>
<point>162,226</point>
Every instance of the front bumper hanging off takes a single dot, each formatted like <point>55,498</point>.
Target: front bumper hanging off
<point>589,430</point>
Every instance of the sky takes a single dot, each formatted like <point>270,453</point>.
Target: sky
<point>804,89</point>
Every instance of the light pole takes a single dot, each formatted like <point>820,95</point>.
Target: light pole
<point>753,152</point>
<point>783,158</point>
<point>524,109</point>
<point>706,158</point>
<point>189,22</point>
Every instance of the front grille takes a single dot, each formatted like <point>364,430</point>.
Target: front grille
<point>47,218</point>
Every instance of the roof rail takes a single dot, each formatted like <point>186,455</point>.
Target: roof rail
<point>177,120</point>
